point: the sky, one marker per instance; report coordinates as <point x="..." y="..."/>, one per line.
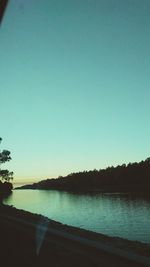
<point x="74" y="85"/>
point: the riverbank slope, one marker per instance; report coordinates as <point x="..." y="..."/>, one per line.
<point x="32" y="240"/>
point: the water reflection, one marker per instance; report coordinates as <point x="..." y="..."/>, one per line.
<point x="122" y="215"/>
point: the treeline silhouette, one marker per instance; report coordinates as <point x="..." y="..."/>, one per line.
<point x="5" y="189"/>
<point x="5" y="175"/>
<point x="134" y="177"/>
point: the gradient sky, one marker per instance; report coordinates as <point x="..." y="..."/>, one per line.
<point x="74" y="85"/>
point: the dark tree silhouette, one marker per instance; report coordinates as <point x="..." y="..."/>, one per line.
<point x="5" y="175"/>
<point x="4" y="157"/>
<point x="134" y="177"/>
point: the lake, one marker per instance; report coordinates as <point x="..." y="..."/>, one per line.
<point x="121" y="215"/>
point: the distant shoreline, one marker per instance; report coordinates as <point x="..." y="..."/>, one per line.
<point x="133" y="177"/>
<point x="136" y="190"/>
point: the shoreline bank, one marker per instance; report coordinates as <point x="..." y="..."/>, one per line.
<point x="82" y="243"/>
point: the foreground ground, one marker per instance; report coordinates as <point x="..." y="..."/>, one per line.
<point x="27" y="239"/>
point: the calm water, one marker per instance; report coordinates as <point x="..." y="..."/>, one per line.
<point x="111" y="214"/>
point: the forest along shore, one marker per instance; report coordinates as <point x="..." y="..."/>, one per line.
<point x="33" y="240"/>
<point x="133" y="177"/>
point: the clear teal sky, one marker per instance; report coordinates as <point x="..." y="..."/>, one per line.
<point x="74" y="85"/>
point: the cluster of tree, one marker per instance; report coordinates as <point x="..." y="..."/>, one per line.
<point x="134" y="177"/>
<point x="5" y="175"/>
